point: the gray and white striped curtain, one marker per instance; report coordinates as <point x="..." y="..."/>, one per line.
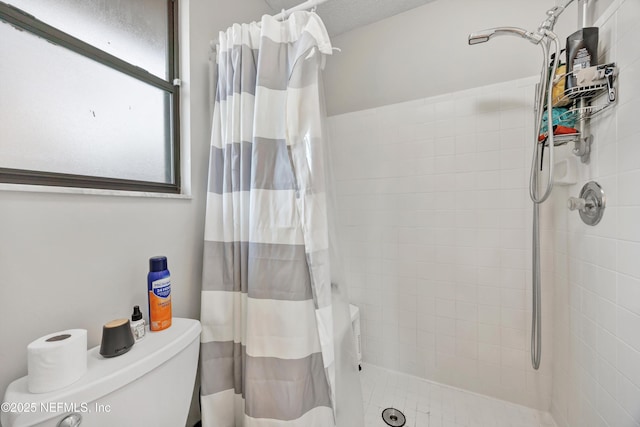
<point x="267" y="354"/>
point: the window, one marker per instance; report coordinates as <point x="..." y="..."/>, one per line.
<point x="89" y="94"/>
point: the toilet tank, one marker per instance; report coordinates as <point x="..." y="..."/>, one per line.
<point x="151" y="385"/>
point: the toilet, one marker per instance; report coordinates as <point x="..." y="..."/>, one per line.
<point x="151" y="385"/>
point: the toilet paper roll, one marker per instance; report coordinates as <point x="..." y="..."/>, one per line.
<point x="56" y="360"/>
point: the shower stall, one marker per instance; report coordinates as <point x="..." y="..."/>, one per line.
<point x="435" y="206"/>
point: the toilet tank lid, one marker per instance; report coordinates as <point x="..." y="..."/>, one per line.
<point x="104" y="376"/>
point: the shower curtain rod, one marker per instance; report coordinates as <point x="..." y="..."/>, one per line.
<point x="309" y="4"/>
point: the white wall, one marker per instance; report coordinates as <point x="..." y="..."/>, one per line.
<point x="78" y="261"/>
<point x="597" y="296"/>
<point x="435" y="222"/>
<point x="424" y="52"/>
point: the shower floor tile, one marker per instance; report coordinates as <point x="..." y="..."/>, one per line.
<point x="429" y="404"/>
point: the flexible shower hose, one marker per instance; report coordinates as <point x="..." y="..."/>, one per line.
<point x="544" y="89"/>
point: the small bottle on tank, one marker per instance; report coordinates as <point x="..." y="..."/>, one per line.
<point x="137" y="323"/>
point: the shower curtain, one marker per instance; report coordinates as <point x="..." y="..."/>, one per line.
<point x="267" y="353"/>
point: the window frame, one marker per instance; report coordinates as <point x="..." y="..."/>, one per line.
<point x="29" y="23"/>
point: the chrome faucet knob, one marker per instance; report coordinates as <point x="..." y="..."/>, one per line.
<point x="576" y="203"/>
<point x="590" y="204"/>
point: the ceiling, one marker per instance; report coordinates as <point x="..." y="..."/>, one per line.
<point x="341" y="16"/>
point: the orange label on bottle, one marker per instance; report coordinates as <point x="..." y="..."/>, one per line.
<point x="160" y="304"/>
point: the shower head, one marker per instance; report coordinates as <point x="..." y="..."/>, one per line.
<point x="485" y="35"/>
<point x="479" y="37"/>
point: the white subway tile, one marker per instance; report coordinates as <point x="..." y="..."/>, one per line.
<point x="514" y="338"/>
<point x="627" y="150"/>
<point x="407" y="336"/>
<point x="513" y="238"/>
<point x="446" y="308"/>
<point x="444" y="146"/>
<point x="628" y="256"/>
<point x="511" y="98"/>
<point x="426" y="339"/>
<point x="628" y="223"/>
<point x="606" y="345"/>
<point x="466" y="311"/>
<point x="627" y="49"/>
<point x="512" y="118"/>
<point x="513" y="379"/>
<point x="628" y="85"/>
<point x="512" y="278"/>
<point x="488" y="353"/>
<point x="489" y="140"/>
<point x="628" y="397"/>
<point x="607" y="377"/>
<point x="488" y="121"/>
<point x="608" y="159"/>
<point x="445" y="128"/>
<point x="515" y="138"/>
<point x="489" y="276"/>
<point x="513" y="358"/>
<point x="445" y="347"/>
<point x="465" y="144"/>
<point x="465" y="125"/>
<point x="465" y="106"/>
<point x="512" y="199"/>
<point x="467" y="293"/>
<point x="513" y="258"/>
<point x="589" y="306"/>
<point x="607" y="315"/>
<point x="489" y="314"/>
<point x="489" y="334"/>
<point x="628" y="327"/>
<point x="628" y="362"/>
<point x="628" y="188"/>
<point x="511" y="159"/>
<point x="510" y="318"/>
<point x="488" y="161"/>
<point x="607" y="253"/>
<point x="444" y="110"/>
<point x="466" y="162"/>
<point x="514" y="178"/>
<point x="512" y="298"/>
<point x="467" y="349"/>
<point x="627" y="114"/>
<point x="629" y="293"/>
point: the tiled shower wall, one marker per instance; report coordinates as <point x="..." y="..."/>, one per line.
<point x="435" y="225"/>
<point x="596" y="368"/>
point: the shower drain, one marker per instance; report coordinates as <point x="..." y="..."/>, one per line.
<point x="393" y="417"/>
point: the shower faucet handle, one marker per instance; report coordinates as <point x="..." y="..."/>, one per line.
<point x="576" y="203"/>
<point x="590" y="204"/>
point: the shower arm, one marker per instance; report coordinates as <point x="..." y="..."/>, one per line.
<point x="552" y="16"/>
